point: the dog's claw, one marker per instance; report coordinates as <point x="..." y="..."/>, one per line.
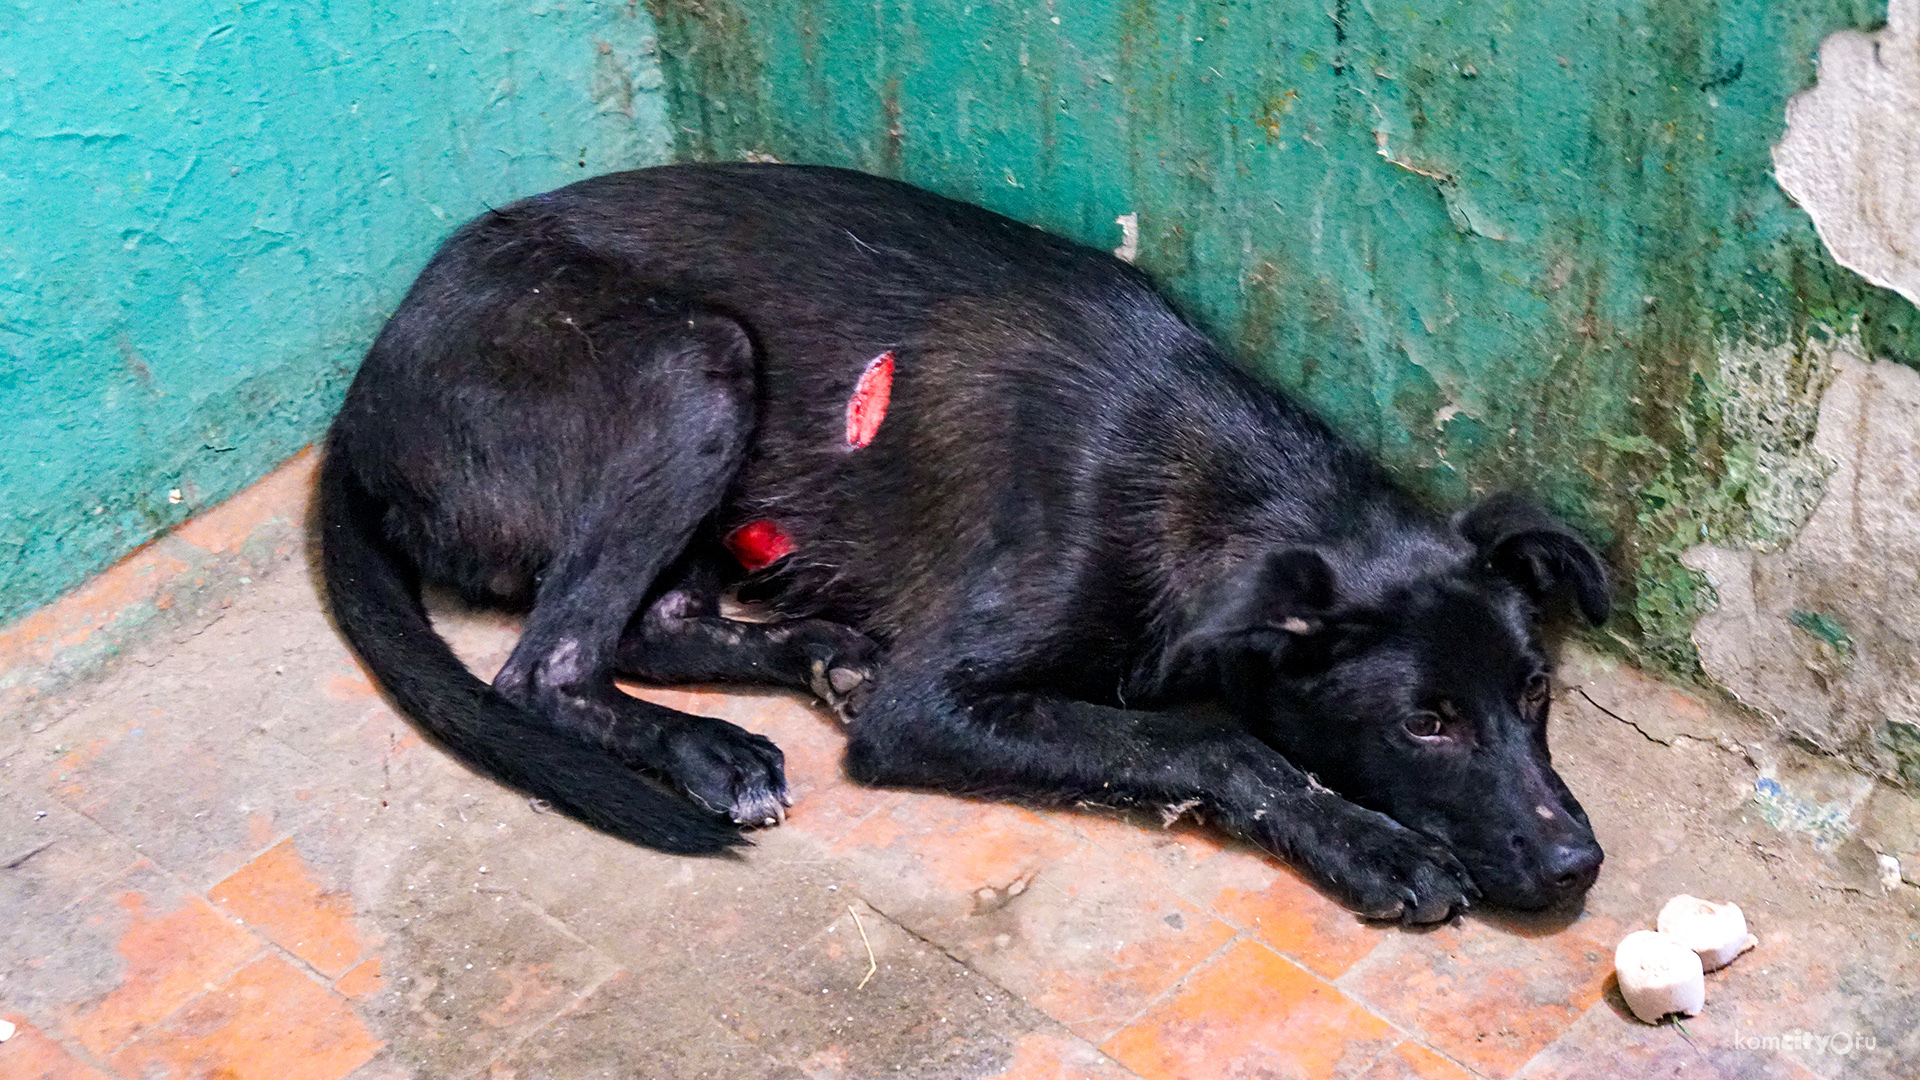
<point x="1387" y="872"/>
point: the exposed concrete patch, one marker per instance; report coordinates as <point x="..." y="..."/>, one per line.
<point x="1769" y="398"/>
<point x="1823" y="635"/>
<point x="1851" y="154"/>
<point x="1749" y="478"/>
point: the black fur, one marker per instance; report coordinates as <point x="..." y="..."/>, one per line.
<point x="1085" y="559"/>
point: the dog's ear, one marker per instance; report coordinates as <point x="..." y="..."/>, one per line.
<point x="1541" y="556"/>
<point x="1275" y="609"/>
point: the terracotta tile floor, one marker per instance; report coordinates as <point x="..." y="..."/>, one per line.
<point x="225" y="857"/>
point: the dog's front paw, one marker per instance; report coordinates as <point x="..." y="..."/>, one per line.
<point x="729" y="770"/>
<point x="1384" y="870"/>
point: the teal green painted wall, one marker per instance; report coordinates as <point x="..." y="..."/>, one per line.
<point x="1501" y="243"/>
<point x="209" y="207"/>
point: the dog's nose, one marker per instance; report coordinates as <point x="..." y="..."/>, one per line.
<point x="1570" y="869"/>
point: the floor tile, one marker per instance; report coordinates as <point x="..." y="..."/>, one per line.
<point x="197" y="795"/>
<point x="1604" y="1045"/>
<point x="471" y="967"/>
<point x="270" y="1021"/>
<point x="1091" y="941"/>
<point x="1252" y="1013"/>
<point x="595" y="1040"/>
<point x="135" y="952"/>
<point x="919" y="1014"/>
<point x="1274" y="903"/>
<point x="719" y="919"/>
<point x="1056" y="1055"/>
<point x="54" y="860"/>
<point x="1487" y="995"/>
<point x="928" y="859"/>
<point x="1411" y="1061"/>
<point x="33" y="1055"/>
<point x="277" y="896"/>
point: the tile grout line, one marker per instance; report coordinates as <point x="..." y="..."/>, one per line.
<point x="79" y="1053"/>
<point x="1411" y="1032"/>
<point x="1404" y="1033"/>
<point x="60" y="1034"/>
<point x="554" y="921"/>
<point x="514" y="1047"/>
<point x="1542" y="1052"/>
<point x="266" y="946"/>
<point x="990" y="980"/>
<point x="138" y="855"/>
<point x="1205" y="961"/>
<point x="1176" y="882"/>
<point x="269" y="947"/>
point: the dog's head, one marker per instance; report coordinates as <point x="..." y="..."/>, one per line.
<point x="1422" y="695"/>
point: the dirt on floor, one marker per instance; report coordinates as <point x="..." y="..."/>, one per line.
<point x="222" y="855"/>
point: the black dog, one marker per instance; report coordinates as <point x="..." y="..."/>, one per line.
<point x="1021" y="523"/>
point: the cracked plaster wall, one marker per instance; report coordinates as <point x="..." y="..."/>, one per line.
<point x="1822" y="633"/>
<point x="209" y="208"/>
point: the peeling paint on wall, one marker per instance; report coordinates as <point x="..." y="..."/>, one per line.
<point x="1851" y="155"/>
<point x="211" y="207"/>
<point x="1818" y="628"/>
<point x="1823" y="635"/>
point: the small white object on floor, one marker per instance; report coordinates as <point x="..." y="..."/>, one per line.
<point x="1718" y="932"/>
<point x="1659" y="975"/>
<point x="1889" y="872"/>
<point x="6" y="1030"/>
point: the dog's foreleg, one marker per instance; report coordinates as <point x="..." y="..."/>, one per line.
<point x="916" y="731"/>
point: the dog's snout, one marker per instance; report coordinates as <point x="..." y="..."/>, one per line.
<point x="1571" y="869"/>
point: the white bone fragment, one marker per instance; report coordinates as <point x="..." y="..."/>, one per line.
<point x="1659" y="975"/>
<point x="1718" y="932"/>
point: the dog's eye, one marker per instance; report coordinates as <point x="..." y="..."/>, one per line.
<point x="1425" y="725"/>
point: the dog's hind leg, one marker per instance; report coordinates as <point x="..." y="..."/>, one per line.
<point x="647" y="504"/>
<point x="682" y="638"/>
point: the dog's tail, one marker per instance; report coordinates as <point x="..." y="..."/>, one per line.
<point x="374" y="598"/>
